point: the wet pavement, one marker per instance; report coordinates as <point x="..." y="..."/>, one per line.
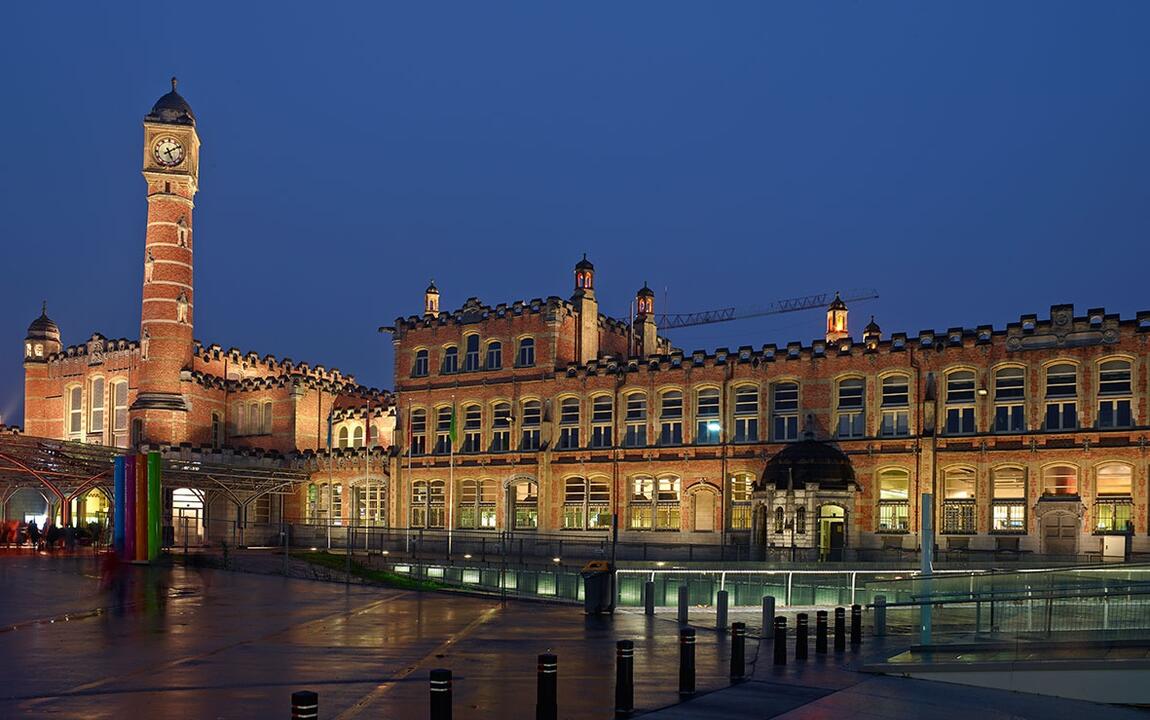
<point x="185" y="643"/>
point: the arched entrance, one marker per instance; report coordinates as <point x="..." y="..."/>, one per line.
<point x="188" y="516"/>
<point x="93" y="507"/>
<point x="832" y="532"/>
<point x="28" y="504"/>
<point x="1060" y="533"/>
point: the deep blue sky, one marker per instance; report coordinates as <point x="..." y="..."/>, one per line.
<point x="973" y="161"/>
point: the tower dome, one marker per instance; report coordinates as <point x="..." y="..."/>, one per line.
<point x="173" y="109"/>
<point x="43" y="337"/>
<point x="809" y="461"/>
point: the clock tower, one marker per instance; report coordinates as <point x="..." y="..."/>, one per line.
<point x="171" y="170"/>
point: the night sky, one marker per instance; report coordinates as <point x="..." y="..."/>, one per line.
<point x="972" y="161"/>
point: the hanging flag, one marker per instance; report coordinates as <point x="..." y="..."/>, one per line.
<point x="453" y="431"/>
<point x="329" y="421"/>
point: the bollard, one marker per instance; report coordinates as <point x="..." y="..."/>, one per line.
<point x="649" y="597"/>
<point x="683" y="594"/>
<point x="880" y="616"/>
<point x="624" y="678"/>
<point x="840" y="629"/>
<point x="780" y="640"/>
<point x="801" y="637"/>
<point x="686" y="662"/>
<point x="821" y="632"/>
<point x="304" y="704"/>
<point x="440" y="694"/>
<point x="738" y="652"/>
<point x="768" y="615"/>
<point x="546" y="696"/>
<point x="856" y="625"/>
<point x="721" y="612"/>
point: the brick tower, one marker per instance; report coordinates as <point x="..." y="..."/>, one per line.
<point x="171" y="169"/>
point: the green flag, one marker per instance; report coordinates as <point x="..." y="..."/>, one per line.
<point x="453" y="431"/>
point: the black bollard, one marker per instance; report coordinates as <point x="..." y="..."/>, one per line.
<point x="547" y="700"/>
<point x="840" y="629"/>
<point x="801" y="637"/>
<point x="738" y="652"/>
<point x="304" y="705"/>
<point x="856" y="625"/>
<point x="440" y="694"/>
<point x="780" y="640"/>
<point x="624" y="678"/>
<point x="686" y="662"/>
<point x="821" y="632"/>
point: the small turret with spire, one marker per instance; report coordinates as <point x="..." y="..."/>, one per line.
<point x="837" y="320"/>
<point x="431" y="300"/>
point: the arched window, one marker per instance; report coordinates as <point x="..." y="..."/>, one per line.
<point x="785" y="411"/>
<point x="850" y="416"/>
<point x="1008" y="494"/>
<point x="76" y="412"/>
<point x="667" y="502"/>
<point x="746" y="413"/>
<point x="642" y="502"/>
<point x="526" y="505"/>
<point x="501" y="427"/>
<point x="800" y="520"/>
<point x="636" y="434"/>
<point x="437" y="504"/>
<point x="450" y="360"/>
<point x="337" y="504"/>
<point x="267" y="419"/>
<point x="472" y="428"/>
<point x="960" y="403"/>
<point x="255" y="419"/>
<point x="894" y="500"/>
<point x="739" y="492"/>
<point x="526" y="356"/>
<point x="312" y="503"/>
<point x="780" y="520"/>
<point x="494" y="356"/>
<point x="419" y="367"/>
<point x="958" y="509"/>
<point x="602" y="418"/>
<point x="471" y="353"/>
<point x="357" y="437"/>
<point x="96" y="405"/>
<point x="1010" y="400"/>
<point x="1061" y="397"/>
<point x="568" y="423"/>
<point x="532" y="420"/>
<point x="708" y="423"/>
<point x="419" y="497"/>
<point x="1114" y="394"/>
<point x="217" y="430"/>
<point x="895" y="406"/>
<point x="120" y="415"/>
<point x="1060" y="481"/>
<point x="343" y="437"/>
<point x="443" y="422"/>
<point x="671" y="418"/>
<point x="418" y="431"/>
<point x="477" y="504"/>
<point x="1114" y="506"/>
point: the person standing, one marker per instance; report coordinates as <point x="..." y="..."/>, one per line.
<point x="34" y="534"/>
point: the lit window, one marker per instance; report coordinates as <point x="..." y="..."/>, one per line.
<point x="960" y="403"/>
<point x="708" y="424"/>
<point x="894" y="500"/>
<point x="1115" y="479"/>
<point x="1061" y="397"/>
<point x="75" y="413"/>
<point x="357" y="437"/>
<point x="1060" y="481"/>
<point x="958" y="508"/>
<point x="526" y="357"/>
<point x="1008" y="490"/>
<point x="343" y="437"/>
<point x="96" y="406"/>
<point x="477" y="505"/>
<point x="586" y="504"/>
<point x="851" y="415"/>
<point x="1114" y="506"/>
<point x="740" y="494"/>
<point x="1010" y="400"/>
<point x="895" y="406"/>
<point x="120" y="413"/>
<point x="785" y="411"/>
<point x="526" y="506"/>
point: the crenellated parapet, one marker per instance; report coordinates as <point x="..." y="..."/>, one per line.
<point x="97" y="350"/>
<point x="252" y="363"/>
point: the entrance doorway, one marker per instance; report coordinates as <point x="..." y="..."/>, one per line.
<point x="832" y="532"/>
<point x="188" y="516"/>
<point x="704" y="511"/>
<point x="1060" y="534"/>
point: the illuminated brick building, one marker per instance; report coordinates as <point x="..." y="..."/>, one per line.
<point x="565" y="417"/>
<point x="196" y="401"/>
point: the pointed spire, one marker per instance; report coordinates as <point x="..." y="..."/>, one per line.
<point x="174" y="81"/>
<point x="44" y="308"/>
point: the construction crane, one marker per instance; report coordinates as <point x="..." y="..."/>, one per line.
<point x="807" y="302"/>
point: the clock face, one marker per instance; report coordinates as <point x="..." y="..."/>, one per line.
<point x="168" y="152"/>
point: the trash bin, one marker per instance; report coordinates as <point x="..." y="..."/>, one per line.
<point x="598" y="594"/>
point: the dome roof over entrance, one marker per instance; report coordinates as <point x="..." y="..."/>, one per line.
<point x="808" y="461"/>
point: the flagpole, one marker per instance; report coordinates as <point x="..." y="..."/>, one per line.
<point x="451" y="477"/>
<point x="407" y="519"/>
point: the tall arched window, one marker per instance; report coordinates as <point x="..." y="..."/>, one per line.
<point x="636" y="434"/>
<point x="419" y="497"/>
<point x="471" y="353"/>
<point x="780" y="520"/>
<point x="1010" y="400"/>
<point x="667" y="503"/>
<point x="312" y="503"/>
<point x="267" y="417"/>
<point x="746" y="413"/>
<point x="494" y="356"/>
<point x="850" y="417"/>
<point x="501" y="427"/>
<point x="1061" y="397"/>
<point x="357" y="436"/>
<point x="800" y="520"/>
<point x="120" y="414"/>
<point x="343" y="438"/>
<point x="1008" y="494"/>
<point x="418" y="431"/>
<point x="960" y="403"/>
<point x="419" y="366"/>
<point x="958" y="508"/>
<point x="443" y="422"/>
<point x="526" y="356"/>
<point x="76" y="412"/>
<point x="531" y="422"/>
<point x="894" y="500"/>
<point x="602" y="419"/>
<point x="526" y="505"/>
<point x="642" y="499"/>
<point x="437" y="504"/>
<point x="477" y="504"/>
<point x="895" y="406"/>
<point x="1114" y="505"/>
<point x="671" y="418"/>
<point x="708" y="423"/>
<point x="450" y="360"/>
<point x="96" y="405"/>
<point x="568" y="423"/>
<point x="472" y="428"/>
<point x="785" y="411"/>
<point x="739" y="492"/>
<point x="1114" y="394"/>
<point x="1060" y="481"/>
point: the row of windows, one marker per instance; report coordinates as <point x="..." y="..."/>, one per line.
<point x="353" y="436"/>
<point x="102" y="396"/>
<point x="492" y="357"/>
<point x="325" y="503"/>
<point x="253" y="418"/>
